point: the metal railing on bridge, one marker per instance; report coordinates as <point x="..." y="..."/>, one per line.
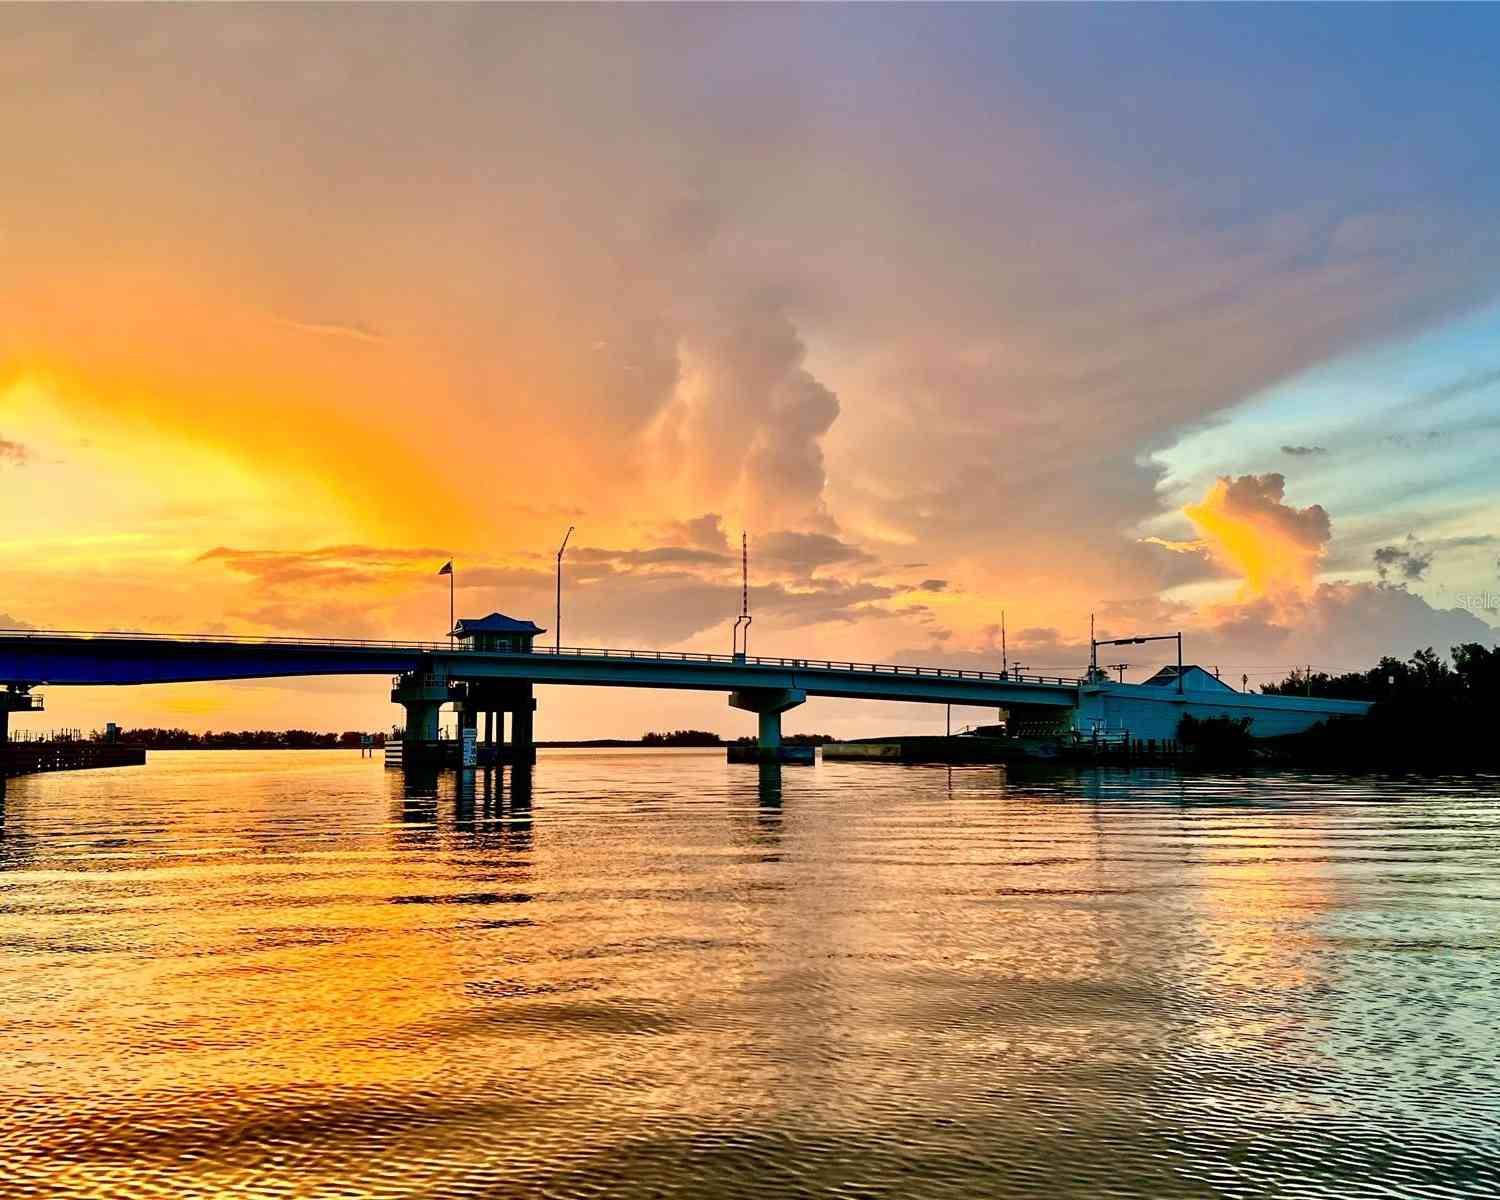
<point x="818" y="664"/>
<point x="784" y="662"/>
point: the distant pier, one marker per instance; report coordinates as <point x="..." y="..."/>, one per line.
<point x="66" y="754"/>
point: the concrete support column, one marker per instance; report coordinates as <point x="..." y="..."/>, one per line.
<point x="421" y="720"/>
<point x="15" y="698"/>
<point x="423" y="696"/>
<point x="521" y="736"/>
<point x="768" y="704"/>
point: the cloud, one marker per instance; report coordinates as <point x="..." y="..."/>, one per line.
<point x="349" y="564"/>
<point x="1176" y="546"/>
<point x="329" y="619"/>
<point x="804" y="553"/>
<point x="14" y="453"/>
<point x="725" y="270"/>
<point x="703" y="533"/>
<point x="1248" y="528"/>
<point x="9" y="622"/>
<point x="339" y="329"/>
<point x="1468" y="383"/>
<point x="932" y="585"/>
<point x="1303" y="451"/>
<point x="745" y="420"/>
<point x="1339" y="625"/>
<point x="1409" y="560"/>
<point x="650" y="556"/>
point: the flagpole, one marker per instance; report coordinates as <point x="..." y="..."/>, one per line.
<point x="447" y="569"/>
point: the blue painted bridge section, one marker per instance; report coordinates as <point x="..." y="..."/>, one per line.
<point x="66" y="658"/>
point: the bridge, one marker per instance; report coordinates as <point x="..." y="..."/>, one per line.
<point x="499" y="683"/>
<point x="490" y="670"/>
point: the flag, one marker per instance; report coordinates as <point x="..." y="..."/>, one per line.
<point x="446" y="568"/>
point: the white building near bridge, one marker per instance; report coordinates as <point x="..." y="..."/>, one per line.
<point x="1153" y="709"/>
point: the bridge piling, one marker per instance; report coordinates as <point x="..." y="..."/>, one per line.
<point x="522" y="736"/>
<point x="768" y="704"/>
<point x="17" y="697"/>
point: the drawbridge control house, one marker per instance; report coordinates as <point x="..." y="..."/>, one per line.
<point x="498" y="634"/>
<point x="423" y="694"/>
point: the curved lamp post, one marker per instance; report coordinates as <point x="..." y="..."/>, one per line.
<point x="557" y="623"/>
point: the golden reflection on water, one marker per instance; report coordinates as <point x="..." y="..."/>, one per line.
<point x="297" y="974"/>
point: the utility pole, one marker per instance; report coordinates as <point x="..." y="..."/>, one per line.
<point x="557" y="623"/>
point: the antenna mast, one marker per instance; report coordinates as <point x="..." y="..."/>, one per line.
<point x="742" y="622"/>
<point x="1004" y="659"/>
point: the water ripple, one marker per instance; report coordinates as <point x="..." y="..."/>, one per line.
<point x="296" y="974"/>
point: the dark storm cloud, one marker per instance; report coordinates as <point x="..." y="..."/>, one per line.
<point x="1408" y="560"/>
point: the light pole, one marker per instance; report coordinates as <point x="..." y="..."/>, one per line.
<point x="557" y="624"/>
<point x="1095" y="643"/>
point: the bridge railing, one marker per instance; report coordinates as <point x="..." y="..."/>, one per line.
<point x="783" y="662"/>
<point x="232" y="639"/>
<point x="787" y="662"/>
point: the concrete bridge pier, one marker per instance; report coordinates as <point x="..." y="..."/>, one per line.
<point x="495" y="700"/>
<point x="768" y="704"/>
<point x="423" y="696"/>
<point x="522" y="730"/>
<point x="16" y="698"/>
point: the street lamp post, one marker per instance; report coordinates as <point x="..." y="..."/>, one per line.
<point x="1095" y="643"/>
<point x="557" y="623"/>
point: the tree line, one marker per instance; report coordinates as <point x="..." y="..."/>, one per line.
<point x="245" y="739"/>
<point x="1427" y="711"/>
<point x="702" y="737"/>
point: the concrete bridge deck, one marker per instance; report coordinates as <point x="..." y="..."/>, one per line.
<point x="496" y="682"/>
<point x="69" y="658"/>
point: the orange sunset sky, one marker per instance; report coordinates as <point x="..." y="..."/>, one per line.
<point x="299" y="302"/>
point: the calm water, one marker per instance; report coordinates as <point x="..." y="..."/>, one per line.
<point x="297" y="974"/>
